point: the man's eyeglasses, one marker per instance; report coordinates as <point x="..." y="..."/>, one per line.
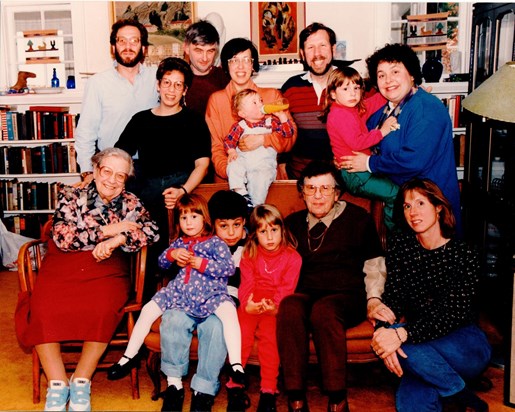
<point x="246" y="61"/>
<point x="325" y="190"/>
<point x="123" y="41"/>
<point x="165" y="84"/>
<point x="106" y="173"/>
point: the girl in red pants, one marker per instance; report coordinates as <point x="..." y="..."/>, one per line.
<point x="270" y="269"/>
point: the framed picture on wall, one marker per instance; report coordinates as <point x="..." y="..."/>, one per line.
<point x="166" y="23"/>
<point x="275" y="28"/>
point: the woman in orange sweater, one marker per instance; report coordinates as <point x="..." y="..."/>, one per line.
<point x="239" y="60"/>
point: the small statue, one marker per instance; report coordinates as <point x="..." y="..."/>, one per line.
<point x="43" y="46"/>
<point x="21" y="84"/>
<point x="30" y="44"/>
<point x="52" y="45"/>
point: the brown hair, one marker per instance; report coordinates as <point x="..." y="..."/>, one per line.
<point x="238" y="98"/>
<point x="266" y="215"/>
<point x="196" y="204"/>
<point x="338" y="77"/>
<point x="429" y="189"/>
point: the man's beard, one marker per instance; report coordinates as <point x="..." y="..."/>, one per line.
<point x="129" y="62"/>
<point x="327" y="68"/>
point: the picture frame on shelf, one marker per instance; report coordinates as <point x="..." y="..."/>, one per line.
<point x="166" y="23"/>
<point x="275" y="28"/>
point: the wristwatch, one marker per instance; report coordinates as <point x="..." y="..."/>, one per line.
<point x="84" y="174"/>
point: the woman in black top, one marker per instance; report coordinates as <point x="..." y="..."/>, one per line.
<point x="173" y="145"/>
<point x="432" y="288"/>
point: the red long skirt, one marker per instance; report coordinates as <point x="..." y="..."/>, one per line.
<point x="76" y="298"/>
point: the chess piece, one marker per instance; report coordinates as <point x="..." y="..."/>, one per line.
<point x="21" y="84"/>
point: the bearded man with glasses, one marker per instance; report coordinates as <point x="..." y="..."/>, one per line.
<point x="113" y="96"/>
<point x="340" y="247"/>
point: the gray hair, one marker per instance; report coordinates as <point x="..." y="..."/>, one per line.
<point x="97" y="158"/>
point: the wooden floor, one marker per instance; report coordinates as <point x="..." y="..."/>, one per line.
<point x="371" y="387"/>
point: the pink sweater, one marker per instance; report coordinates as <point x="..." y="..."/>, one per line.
<point x="271" y="275"/>
<point x="348" y="130"/>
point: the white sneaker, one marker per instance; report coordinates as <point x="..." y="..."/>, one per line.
<point x="80" y="390"/>
<point x="57" y="396"/>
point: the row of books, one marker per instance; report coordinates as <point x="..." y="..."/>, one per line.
<point x="15" y="195"/>
<point x="26" y="224"/>
<point x="51" y="158"/>
<point x="453" y="104"/>
<point x="38" y="123"/>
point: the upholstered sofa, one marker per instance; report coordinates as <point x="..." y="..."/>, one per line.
<point x="284" y="195"/>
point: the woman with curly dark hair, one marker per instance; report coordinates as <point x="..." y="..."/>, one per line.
<point x="423" y="144"/>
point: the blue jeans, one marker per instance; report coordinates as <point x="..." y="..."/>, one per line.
<point x="439" y="368"/>
<point x="176" y="333"/>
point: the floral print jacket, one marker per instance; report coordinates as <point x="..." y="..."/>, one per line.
<point x="80" y="214"/>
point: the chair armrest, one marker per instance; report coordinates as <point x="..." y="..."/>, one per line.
<point x="132" y="306"/>
<point x="26" y="275"/>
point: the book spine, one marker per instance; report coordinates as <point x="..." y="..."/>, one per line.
<point x="44" y="166"/>
<point x="10" y="131"/>
<point x="72" y="160"/>
<point x="3" y="124"/>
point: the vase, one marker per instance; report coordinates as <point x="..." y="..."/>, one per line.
<point x="432" y="70"/>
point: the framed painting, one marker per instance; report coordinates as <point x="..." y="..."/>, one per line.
<point x="166" y="23"/>
<point x="275" y="28"/>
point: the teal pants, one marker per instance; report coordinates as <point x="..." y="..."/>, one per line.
<point x="369" y="185"/>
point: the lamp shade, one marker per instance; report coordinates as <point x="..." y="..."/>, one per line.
<point x="495" y="97"/>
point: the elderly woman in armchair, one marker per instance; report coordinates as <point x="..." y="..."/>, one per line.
<point x="84" y="282"/>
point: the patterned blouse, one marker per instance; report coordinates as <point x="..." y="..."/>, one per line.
<point x="197" y="292"/>
<point x="436" y="290"/>
<point x="81" y="213"/>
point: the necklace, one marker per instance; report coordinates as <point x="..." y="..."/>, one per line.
<point x="320" y="236"/>
<point x="269" y="271"/>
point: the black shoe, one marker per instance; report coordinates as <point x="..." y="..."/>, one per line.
<point x="237" y="376"/>
<point x="173" y="399"/>
<point x="266" y="403"/>
<point x="250" y="205"/>
<point x="468" y="400"/>
<point x="342" y="406"/>
<point x="298" y="406"/>
<point x="118" y="371"/>
<point x="237" y="400"/>
<point x="201" y="402"/>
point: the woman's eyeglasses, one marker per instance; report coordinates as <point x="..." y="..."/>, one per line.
<point x="246" y="61"/>
<point x="123" y="41"/>
<point x="165" y="84"/>
<point x="325" y="190"/>
<point x="106" y="173"/>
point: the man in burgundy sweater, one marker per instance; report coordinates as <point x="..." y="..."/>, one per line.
<point x="201" y="48"/>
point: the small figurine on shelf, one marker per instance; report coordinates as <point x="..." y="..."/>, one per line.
<point x="30" y="43"/>
<point x="21" y="84"/>
<point x="52" y="45"/>
<point x="42" y="46"/>
<point x="55" y="79"/>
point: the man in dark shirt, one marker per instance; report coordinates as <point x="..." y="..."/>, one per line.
<point x="201" y="48"/>
<point x="338" y="243"/>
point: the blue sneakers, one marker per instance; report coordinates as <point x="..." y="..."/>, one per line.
<point x="80" y="390"/>
<point x="57" y="396"/>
